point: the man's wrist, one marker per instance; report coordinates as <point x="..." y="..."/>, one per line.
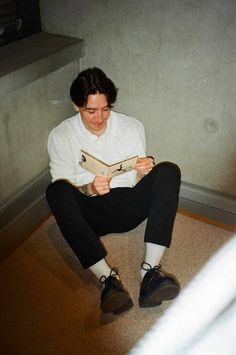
<point x="87" y="189"/>
<point x="139" y="176"/>
<point x="92" y="189"/>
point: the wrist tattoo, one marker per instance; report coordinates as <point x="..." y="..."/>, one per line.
<point x="85" y="190"/>
<point x="140" y="175"/>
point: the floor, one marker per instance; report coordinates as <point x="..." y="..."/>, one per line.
<point x="49" y="305"/>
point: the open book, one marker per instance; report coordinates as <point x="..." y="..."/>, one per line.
<point x="99" y="168"/>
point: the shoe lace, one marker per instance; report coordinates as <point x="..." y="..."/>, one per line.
<point x="157" y="268"/>
<point x="103" y="278"/>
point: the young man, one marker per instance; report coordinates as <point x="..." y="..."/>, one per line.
<point x="86" y="207"/>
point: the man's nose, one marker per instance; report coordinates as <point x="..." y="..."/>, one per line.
<point x="99" y="116"/>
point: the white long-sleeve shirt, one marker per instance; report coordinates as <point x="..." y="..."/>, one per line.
<point x="123" y="138"/>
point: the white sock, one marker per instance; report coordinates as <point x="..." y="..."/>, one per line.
<point x="153" y="255"/>
<point x="101" y="268"/>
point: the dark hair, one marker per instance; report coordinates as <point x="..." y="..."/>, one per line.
<point x="89" y="82"/>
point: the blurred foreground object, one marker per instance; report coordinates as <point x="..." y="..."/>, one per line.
<point x="203" y="319"/>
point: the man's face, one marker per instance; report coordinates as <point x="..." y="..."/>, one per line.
<point x="95" y="114"/>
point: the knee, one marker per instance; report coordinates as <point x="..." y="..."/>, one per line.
<point x="169" y="170"/>
<point x="57" y="190"/>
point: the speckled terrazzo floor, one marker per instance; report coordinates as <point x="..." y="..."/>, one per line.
<point x="49" y="305"/>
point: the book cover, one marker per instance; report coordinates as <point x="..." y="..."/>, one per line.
<point x="100" y="168"/>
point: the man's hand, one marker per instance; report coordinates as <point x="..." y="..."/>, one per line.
<point x="101" y="184"/>
<point x="144" y="165"/>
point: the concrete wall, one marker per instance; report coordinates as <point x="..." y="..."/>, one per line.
<point x="174" y="63"/>
<point x="26" y="117"/>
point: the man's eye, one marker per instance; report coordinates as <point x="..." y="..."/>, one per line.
<point x="91" y="112"/>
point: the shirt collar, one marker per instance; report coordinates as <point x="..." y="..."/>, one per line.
<point x="91" y="135"/>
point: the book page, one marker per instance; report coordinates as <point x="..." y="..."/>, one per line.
<point x="122" y="167"/>
<point x="100" y="168"/>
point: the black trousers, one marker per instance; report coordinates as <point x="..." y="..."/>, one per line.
<point x="83" y="220"/>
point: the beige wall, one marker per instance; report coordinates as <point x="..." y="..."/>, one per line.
<point x="174" y="63"/>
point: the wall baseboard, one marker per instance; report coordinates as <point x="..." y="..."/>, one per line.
<point x="20" y="215"/>
<point x="211" y="205"/>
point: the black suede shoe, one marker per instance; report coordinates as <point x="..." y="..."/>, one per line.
<point x="114" y="298"/>
<point x="157" y="286"/>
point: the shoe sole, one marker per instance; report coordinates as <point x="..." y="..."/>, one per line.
<point x="117" y="303"/>
<point x="167" y="292"/>
<point x="125" y="308"/>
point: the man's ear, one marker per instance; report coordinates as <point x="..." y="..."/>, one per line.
<point x="76" y="107"/>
